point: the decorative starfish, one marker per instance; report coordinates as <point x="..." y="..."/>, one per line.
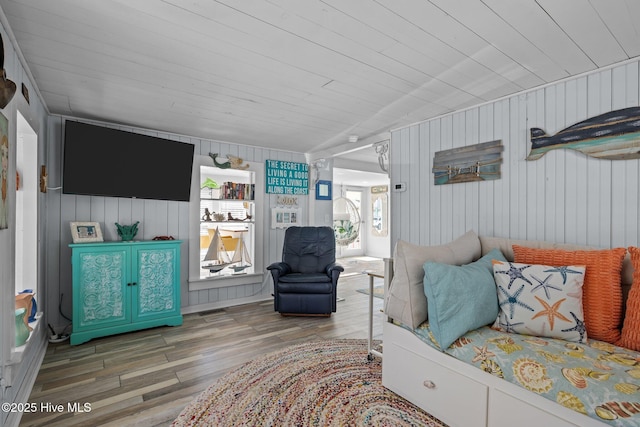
<point x="544" y="285"/>
<point x="515" y="273"/>
<point x="563" y="271"/>
<point x="508" y="326"/>
<point x="580" y="327"/>
<point x="512" y="300"/>
<point x="482" y="354"/>
<point x="551" y="311"/>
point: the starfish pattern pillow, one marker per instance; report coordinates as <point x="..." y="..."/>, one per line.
<point x="540" y="300"/>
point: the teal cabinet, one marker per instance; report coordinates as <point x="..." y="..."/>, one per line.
<point x="124" y="286"/>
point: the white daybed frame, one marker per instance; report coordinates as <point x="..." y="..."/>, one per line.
<point x="460" y="394"/>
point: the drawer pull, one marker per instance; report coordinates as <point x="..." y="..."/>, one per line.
<point x="429" y="384"/>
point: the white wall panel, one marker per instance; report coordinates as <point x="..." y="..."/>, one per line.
<point x="565" y="196"/>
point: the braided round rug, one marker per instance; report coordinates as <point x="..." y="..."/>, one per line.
<point x="322" y="383"/>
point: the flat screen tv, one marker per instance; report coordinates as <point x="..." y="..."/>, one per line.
<point x="100" y="161"/>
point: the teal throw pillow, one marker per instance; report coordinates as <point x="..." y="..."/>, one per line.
<point x="460" y="298"/>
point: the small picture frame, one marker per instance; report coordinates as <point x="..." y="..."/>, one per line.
<point x="85" y="232"/>
<point x="323" y="190"/>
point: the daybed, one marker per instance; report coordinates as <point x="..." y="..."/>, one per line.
<point x="490" y="377"/>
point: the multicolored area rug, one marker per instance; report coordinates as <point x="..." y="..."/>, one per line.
<point x="323" y="383"/>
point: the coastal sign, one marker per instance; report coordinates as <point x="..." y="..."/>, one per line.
<point x="478" y="162"/>
<point x="285" y="177"/>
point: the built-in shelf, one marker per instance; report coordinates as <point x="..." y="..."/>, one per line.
<point x="228" y="223"/>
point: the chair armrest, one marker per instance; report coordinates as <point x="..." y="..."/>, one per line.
<point x="281" y="268"/>
<point x="333" y="267"/>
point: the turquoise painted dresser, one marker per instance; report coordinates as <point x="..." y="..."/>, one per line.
<point x="124" y="286"/>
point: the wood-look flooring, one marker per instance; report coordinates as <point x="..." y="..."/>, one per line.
<point x="146" y="378"/>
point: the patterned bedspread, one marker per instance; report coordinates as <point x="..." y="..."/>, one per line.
<point x="596" y="379"/>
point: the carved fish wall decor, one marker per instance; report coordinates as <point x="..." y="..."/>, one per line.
<point x="614" y="135"/>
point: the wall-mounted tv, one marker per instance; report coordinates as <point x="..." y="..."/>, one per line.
<point x="100" y="161"/>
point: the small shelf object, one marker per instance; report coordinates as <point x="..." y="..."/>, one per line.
<point x="124" y="286"/>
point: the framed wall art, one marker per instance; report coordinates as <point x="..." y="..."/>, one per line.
<point x="284" y="217"/>
<point x="85" y="232"/>
<point x="323" y="190"/>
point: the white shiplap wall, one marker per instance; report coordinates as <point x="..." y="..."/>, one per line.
<point x="156" y="217"/>
<point x="564" y="197"/>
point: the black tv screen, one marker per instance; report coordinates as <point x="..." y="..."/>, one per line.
<point x="100" y="161"/>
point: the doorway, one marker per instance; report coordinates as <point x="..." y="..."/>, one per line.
<point x="348" y="210"/>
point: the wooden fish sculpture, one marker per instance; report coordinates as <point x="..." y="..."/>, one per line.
<point x="614" y="136"/>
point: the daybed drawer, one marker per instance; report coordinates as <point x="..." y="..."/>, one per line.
<point x="435" y="388"/>
<point x="507" y="411"/>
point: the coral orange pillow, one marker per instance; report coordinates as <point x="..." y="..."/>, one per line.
<point x="602" y="292"/>
<point x="631" y="328"/>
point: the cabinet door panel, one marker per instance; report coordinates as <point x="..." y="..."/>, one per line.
<point x="156" y="293"/>
<point x="101" y="288"/>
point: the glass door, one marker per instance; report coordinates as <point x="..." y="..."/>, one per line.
<point x="348" y="210"/>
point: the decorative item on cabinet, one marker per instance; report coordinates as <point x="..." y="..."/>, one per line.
<point x="22" y="332"/>
<point x="86" y="232"/>
<point x="127" y="232"/>
<point x="219" y="217"/>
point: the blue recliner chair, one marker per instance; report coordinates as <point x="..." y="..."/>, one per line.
<point x="306" y="279"/>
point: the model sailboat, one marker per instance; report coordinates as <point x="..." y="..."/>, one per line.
<point x="240" y="255"/>
<point x="218" y="255"/>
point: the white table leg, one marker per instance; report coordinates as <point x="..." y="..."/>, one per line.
<point x="371" y="351"/>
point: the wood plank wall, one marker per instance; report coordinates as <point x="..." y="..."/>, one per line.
<point x="564" y="197"/>
<point x="157" y="217"/>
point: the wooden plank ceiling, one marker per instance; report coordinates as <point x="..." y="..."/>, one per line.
<point x="303" y="75"/>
